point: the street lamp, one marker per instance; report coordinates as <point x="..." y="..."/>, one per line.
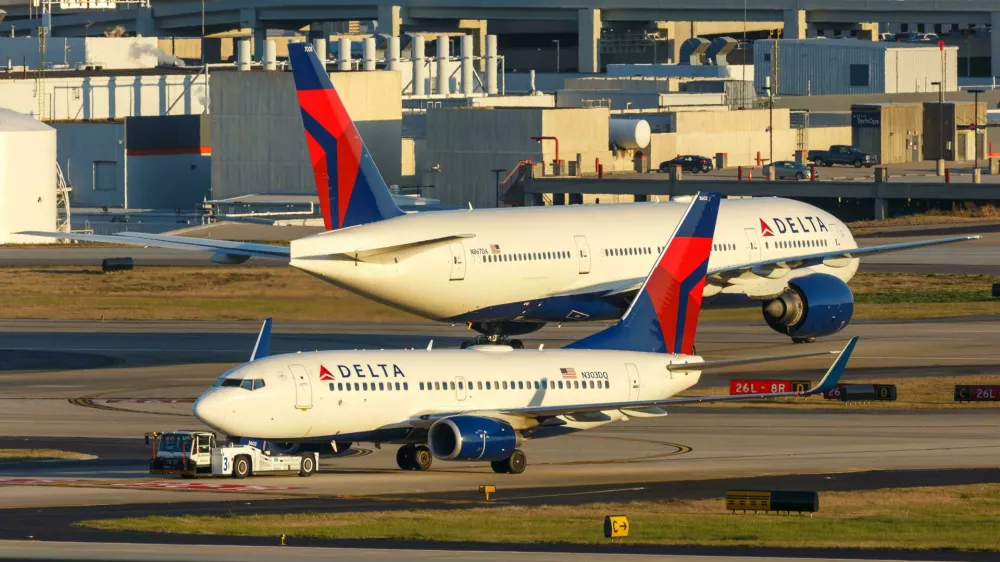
<point x="497" y="172"/>
<point x="975" y="122"/>
<point x="770" y="128"/>
<point x="556" y="41"/>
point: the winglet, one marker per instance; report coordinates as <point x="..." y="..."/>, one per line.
<point x="263" y="345"/>
<point x="832" y="376"/>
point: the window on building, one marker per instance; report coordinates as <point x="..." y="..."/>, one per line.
<point x="105" y="176"/>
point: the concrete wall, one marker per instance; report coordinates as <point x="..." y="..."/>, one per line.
<point x="822" y="138"/>
<point x="107" y="97"/>
<point x="109" y="52"/>
<point x="258" y="142"/>
<point x="85" y="151"/>
<point x="468" y="143"/>
<point x="740" y="134"/>
<point x="169" y="181"/>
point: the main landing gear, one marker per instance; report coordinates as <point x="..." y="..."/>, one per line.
<point x="803" y="340"/>
<point x="414" y="457"/>
<point x="514" y="464"/>
<point x="499" y="333"/>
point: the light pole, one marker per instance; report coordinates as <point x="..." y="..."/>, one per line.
<point x="556" y="41"/>
<point x="770" y="112"/>
<point x="497" y="171"/>
<point x="975" y="122"/>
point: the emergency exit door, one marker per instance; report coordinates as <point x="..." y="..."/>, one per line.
<point x="457" y="261"/>
<point x="633" y="381"/>
<point x="754" y="244"/>
<point x="583" y="253"/>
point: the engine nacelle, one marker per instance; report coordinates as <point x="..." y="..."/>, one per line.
<point x="472" y="438"/>
<point x="812" y="306"/>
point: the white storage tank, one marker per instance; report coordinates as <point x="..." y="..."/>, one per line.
<point x="629" y="133"/>
<point x="27" y="177"/>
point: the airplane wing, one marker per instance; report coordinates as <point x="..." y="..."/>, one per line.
<point x="723" y="363"/>
<point x="828" y="382"/>
<point x="834" y="258"/>
<point x="227" y="247"/>
<point x="776" y="267"/>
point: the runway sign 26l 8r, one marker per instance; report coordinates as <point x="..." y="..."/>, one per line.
<point x="766" y="386"/>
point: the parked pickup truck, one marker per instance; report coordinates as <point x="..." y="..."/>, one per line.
<point x="842" y="154"/>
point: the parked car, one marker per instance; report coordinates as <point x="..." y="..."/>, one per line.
<point x="789" y="170"/>
<point x="842" y="154"/>
<point x="689" y="163"/>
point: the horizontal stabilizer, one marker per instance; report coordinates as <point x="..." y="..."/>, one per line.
<point x="709" y="365"/>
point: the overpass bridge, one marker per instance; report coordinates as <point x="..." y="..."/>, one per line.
<point x="186" y="17"/>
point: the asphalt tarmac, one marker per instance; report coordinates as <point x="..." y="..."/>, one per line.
<point x="96" y="388"/>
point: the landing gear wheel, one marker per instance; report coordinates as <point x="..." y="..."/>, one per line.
<point x="516" y="462"/>
<point x="308" y="466"/>
<point x="803" y="340"/>
<point x="404" y="457"/>
<point x="422" y="458"/>
<point x="517" y="344"/>
<point x="241" y="467"/>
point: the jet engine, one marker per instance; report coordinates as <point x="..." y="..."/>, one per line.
<point x="472" y="438"/>
<point x="812" y="306"/>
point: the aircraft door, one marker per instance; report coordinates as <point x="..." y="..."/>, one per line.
<point x="461" y="390"/>
<point x="457" y="260"/>
<point x="633" y="381"/>
<point x="583" y="253"/>
<point x="754" y="243"/>
<point x="303" y="387"/>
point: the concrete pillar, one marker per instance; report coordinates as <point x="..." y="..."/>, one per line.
<point x="995" y="44"/>
<point x="390" y="20"/>
<point x="443" y="43"/>
<point x="243" y="54"/>
<point x="477" y="30"/>
<point x="319" y="46"/>
<point x="589" y="32"/>
<point x="392" y="56"/>
<point x="419" y="70"/>
<point x="270" y="57"/>
<point x="881" y="209"/>
<point x="145" y="25"/>
<point x="259" y="36"/>
<point x="368" y="54"/>
<point x="467" y="80"/>
<point x="491" y="64"/>
<point x="977" y="175"/>
<point x="344" y="54"/>
<point x="795" y="24"/>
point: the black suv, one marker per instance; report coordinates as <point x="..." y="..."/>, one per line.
<point x="688" y="163"/>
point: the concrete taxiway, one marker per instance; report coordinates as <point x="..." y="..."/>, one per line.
<point x="142" y="376"/>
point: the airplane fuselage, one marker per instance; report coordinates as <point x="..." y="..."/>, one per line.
<point x="557" y="264"/>
<point x="377" y="395"/>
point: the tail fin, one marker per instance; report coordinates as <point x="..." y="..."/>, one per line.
<point x="351" y="191"/>
<point x="663" y="316"/>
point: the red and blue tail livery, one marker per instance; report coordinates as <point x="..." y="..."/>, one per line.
<point x="351" y="190"/>
<point x="663" y="317"/>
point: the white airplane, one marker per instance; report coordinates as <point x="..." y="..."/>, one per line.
<point x="509" y="271"/>
<point x="479" y="404"/>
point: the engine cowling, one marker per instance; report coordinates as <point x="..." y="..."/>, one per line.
<point x="472" y="438"/>
<point x="812" y="306"/>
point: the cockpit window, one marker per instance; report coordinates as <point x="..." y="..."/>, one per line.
<point x="258" y="383"/>
<point x="247" y="384"/>
<point x="230" y="382"/>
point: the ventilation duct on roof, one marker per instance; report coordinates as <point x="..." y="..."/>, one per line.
<point x="692" y="49"/>
<point x="719" y="49"/>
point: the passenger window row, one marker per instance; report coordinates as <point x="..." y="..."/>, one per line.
<point x="363" y="386"/>
<point x="723" y="247"/>
<point x="640" y="251"/>
<point x="783" y="244"/>
<point x="544" y="384"/>
<point x="526" y="256"/>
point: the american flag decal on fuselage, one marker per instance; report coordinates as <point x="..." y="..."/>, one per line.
<point x="568" y="373"/>
<point x="495" y="248"/>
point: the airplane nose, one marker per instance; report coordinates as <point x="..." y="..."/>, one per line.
<point x="211" y="409"/>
